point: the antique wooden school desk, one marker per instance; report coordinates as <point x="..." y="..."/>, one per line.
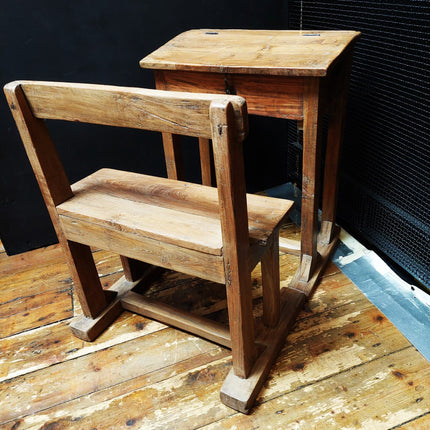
<point x="299" y="75"/>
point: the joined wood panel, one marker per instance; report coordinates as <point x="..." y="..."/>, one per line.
<point x="159" y="223"/>
<point x="53" y="344"/>
<point x="151" y="251"/>
<point x="196" y="391"/>
<point x="275" y="96"/>
<point x="112" y="205"/>
<point x="264" y="213"/>
<point x="46" y="278"/>
<point x="125" y="107"/>
<point x="265" y="52"/>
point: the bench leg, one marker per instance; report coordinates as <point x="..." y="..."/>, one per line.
<point x="90" y="328"/>
<point x="137" y="274"/>
<point x="241" y="393"/>
<point x="240" y="315"/>
<point x="98" y="306"/>
<point x="87" y="286"/>
<point x="134" y="270"/>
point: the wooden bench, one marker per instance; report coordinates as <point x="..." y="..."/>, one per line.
<point x="218" y="234"/>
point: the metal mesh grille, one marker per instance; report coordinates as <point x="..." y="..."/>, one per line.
<point x="385" y="180"/>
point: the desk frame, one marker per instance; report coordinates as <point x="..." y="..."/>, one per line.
<point x="302" y="98"/>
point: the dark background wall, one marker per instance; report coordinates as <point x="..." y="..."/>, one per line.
<point x="101" y="42"/>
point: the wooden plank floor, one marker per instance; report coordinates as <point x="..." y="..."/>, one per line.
<point x="344" y="365"/>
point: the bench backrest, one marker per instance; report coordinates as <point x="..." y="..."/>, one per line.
<point x="222" y="118"/>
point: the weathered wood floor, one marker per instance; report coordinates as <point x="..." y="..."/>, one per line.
<point x="344" y="364"/>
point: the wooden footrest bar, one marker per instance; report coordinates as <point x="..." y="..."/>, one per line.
<point x="89" y="328"/>
<point x="175" y="317"/>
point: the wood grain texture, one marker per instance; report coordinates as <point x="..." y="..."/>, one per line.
<point x="349" y="399"/>
<point x="335" y="131"/>
<point x="344" y="365"/>
<point x="240" y="393"/>
<point x="124" y="107"/>
<point x="271" y="282"/>
<point x="270" y="52"/>
<point x="151" y="251"/>
<point x="35" y="311"/>
<point x="216" y="243"/>
<point x="40" y="395"/>
<point x="135" y="269"/>
<point x="324" y="253"/>
<point x="43" y="156"/>
<point x="190" y="212"/>
<point x="312" y="132"/>
<point x="90" y="328"/>
<point x="41" y="256"/>
<point x="171" y="315"/>
<point x="421" y="423"/>
<point x="230" y="177"/>
<point x="166" y="224"/>
<point x="86" y="217"/>
<point x="172" y="147"/>
<point x="275" y="96"/>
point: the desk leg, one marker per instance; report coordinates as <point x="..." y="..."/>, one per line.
<point x="331" y="174"/>
<point x="337" y="114"/>
<point x="206" y="162"/>
<point x="312" y="125"/>
<point x="173" y="156"/>
<point x="171" y="142"/>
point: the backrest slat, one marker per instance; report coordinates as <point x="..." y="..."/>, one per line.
<point x="165" y="111"/>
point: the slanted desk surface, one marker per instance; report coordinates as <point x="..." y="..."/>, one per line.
<point x="268" y="52"/>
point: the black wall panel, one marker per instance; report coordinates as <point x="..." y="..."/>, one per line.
<point x="101" y="42"/>
<point x="385" y="182"/>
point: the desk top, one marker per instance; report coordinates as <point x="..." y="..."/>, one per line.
<point x="265" y="52"/>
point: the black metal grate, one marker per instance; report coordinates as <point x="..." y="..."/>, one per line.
<point x="294" y="154"/>
<point x="385" y="180"/>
